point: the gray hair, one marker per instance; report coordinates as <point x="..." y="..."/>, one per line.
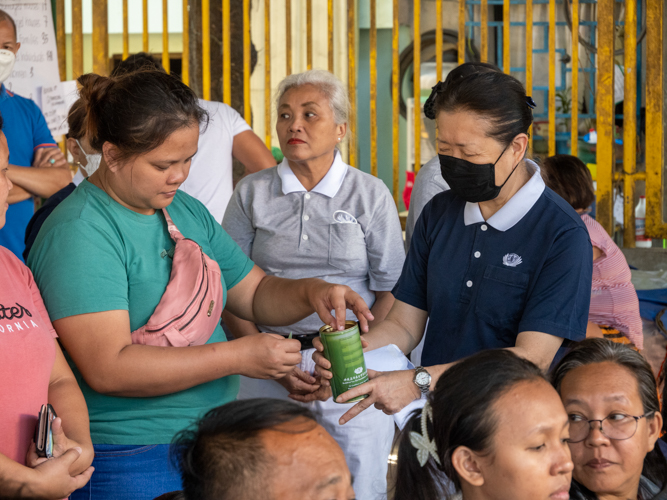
<point x="327" y="83"/>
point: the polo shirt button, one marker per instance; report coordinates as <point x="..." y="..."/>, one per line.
<point x="477" y="255"/>
<point x="484" y="227"/>
<point x="305" y="217"/>
<point x="305" y="236"/>
<point x="469" y="284"/>
<point x="307" y="196"/>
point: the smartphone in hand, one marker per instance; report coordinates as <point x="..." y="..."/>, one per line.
<point x="43" y="431"/>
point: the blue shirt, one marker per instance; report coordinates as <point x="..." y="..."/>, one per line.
<point x="527" y="268"/>
<point x="26" y="130"/>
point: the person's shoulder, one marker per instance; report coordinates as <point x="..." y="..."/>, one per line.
<point x="10" y="263"/>
<point x="218" y="108"/>
<point x="367" y="181"/>
<point x="23" y="105"/>
<point x="258" y="183"/>
<point x="561" y="211"/>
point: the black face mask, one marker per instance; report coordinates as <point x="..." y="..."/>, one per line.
<point x="471" y="181"/>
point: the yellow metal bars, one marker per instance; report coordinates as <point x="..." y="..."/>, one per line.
<point x="226" y="55"/>
<point x="165" y="35"/>
<point x="330" y="36"/>
<point x="267" y="73"/>
<point x="185" y="58"/>
<point x="529" y="62"/>
<point x="438" y="39"/>
<point x="100" y="37"/>
<point x="506" y="36"/>
<point x="395" y="108"/>
<point x="352" y="79"/>
<point x="416" y="81"/>
<point x="206" y="49"/>
<point x="126" y="32"/>
<point x="288" y="37"/>
<point x="60" y="38"/>
<point x="373" y="59"/>
<point x="574" y="134"/>
<point x="604" y="104"/>
<point x="656" y="226"/>
<point x="309" y="34"/>
<point x="246" y="61"/>
<point x="629" y="123"/>
<point x="145" y="21"/>
<point x="77" y="39"/>
<point x="462" y="32"/>
<point x="552" y="77"/>
<point x="484" y="28"/>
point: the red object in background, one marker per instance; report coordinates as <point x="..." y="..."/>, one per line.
<point x="407" y="192"/>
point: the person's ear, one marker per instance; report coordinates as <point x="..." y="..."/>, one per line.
<point x="654" y="429"/>
<point x="341" y="130"/>
<point x="519" y="146"/>
<point x="467" y="466"/>
<point x="18" y="46"/>
<point x="73" y="148"/>
<point x="109" y="152"/>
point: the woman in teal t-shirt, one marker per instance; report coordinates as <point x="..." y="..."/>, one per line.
<point x="103" y="261"/>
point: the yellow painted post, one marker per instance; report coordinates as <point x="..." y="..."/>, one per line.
<point x="655" y="139"/>
<point x="462" y="32"/>
<point x="60" y="39"/>
<point x="330" y="36"/>
<point x="77" y="39"/>
<point x="529" y="62"/>
<point x="185" y="58"/>
<point x="206" y="49"/>
<point x="629" y="122"/>
<point x="145" y="21"/>
<point x="165" y="35"/>
<point x="552" y="77"/>
<point x="352" y="79"/>
<point x="267" y="73"/>
<point x="395" y="107"/>
<point x="247" y="115"/>
<point x="484" y="28"/>
<point x="438" y="39"/>
<point x="373" y="59"/>
<point x="604" y="104"/>
<point x="506" y="36"/>
<point x="416" y="81"/>
<point x="126" y="32"/>
<point x="309" y="34"/>
<point x="100" y="37"/>
<point x="288" y="37"/>
<point x="226" y="55"/>
<point x="574" y="134"/>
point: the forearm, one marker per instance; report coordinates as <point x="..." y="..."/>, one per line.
<point x="16" y="480"/>
<point x="282" y="302"/>
<point x="239" y="327"/>
<point x="42" y="182"/>
<point x="381" y="307"/>
<point x="388" y="332"/>
<point x="17" y="194"/>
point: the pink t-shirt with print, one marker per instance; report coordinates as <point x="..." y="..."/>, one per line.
<point x="27" y="354"/>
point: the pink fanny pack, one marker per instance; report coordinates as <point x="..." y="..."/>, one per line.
<point x="191" y="306"/>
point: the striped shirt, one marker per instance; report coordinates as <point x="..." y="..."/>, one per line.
<point x="614" y="300"/>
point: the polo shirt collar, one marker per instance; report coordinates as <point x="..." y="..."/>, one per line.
<point x="328" y="186"/>
<point x="4" y="93"/>
<point x="515" y="209"/>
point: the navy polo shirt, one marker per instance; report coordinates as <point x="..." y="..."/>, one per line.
<point x="526" y="268"/>
<point x="26" y="130"/>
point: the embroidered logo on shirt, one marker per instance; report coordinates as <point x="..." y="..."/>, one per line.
<point x="512" y="260"/>
<point x="342" y="217"/>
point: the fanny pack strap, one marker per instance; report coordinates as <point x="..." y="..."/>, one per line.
<point x="173" y="230"/>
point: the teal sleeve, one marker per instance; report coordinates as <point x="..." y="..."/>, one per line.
<point x="79" y="269"/>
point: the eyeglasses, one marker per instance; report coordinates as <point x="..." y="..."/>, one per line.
<point x="616" y="426"/>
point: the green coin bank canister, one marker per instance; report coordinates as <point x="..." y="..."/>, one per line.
<point x="343" y="349"/>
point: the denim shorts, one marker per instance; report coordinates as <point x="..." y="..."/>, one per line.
<point x="127" y="472"/>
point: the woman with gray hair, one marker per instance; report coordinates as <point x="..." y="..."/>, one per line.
<point x="313" y="216"/>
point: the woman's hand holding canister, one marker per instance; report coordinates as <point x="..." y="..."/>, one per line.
<point x="325" y="297"/>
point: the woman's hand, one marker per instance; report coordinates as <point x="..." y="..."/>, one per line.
<point x="322" y="393"/>
<point x="322" y="364"/>
<point x="388" y="391"/>
<point x="299" y="382"/>
<point x="51" y="478"/>
<point x="325" y="297"/>
<point x="267" y="355"/>
<point x="60" y="445"/>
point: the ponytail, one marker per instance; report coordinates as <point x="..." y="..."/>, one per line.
<point x="94" y="89"/>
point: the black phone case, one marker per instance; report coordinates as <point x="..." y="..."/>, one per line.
<point x="43" y="430"/>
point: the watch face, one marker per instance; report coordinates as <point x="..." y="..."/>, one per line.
<point x="423" y="378"/>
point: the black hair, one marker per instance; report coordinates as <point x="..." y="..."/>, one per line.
<point x="141" y="61"/>
<point x="463" y="415"/>
<point x="136" y="112"/>
<point x="595" y="350"/>
<point x="1" y="121"/>
<point x="223" y="457"/>
<point x="569" y="178"/>
<point x="76" y="120"/>
<point x="493" y="95"/>
<point x="6" y="17"/>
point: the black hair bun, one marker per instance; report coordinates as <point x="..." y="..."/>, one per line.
<point x="530" y="102"/>
<point x="429" y="105"/>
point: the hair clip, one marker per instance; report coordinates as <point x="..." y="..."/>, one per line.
<point x="421" y="442"/>
<point x="429" y="105"/>
<point x="530" y="102"/>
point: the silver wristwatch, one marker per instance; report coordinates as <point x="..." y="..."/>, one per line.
<point x="422" y="379"/>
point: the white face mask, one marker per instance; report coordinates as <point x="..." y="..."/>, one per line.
<point x="7" y="60"/>
<point x="92" y="160"/>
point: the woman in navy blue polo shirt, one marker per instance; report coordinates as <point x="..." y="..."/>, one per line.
<point x="499" y="261"/>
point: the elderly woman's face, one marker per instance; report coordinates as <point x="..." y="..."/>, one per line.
<point x="603" y="465"/>
<point x="306" y="126"/>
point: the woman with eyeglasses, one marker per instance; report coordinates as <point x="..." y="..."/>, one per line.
<point x="610" y="396"/>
